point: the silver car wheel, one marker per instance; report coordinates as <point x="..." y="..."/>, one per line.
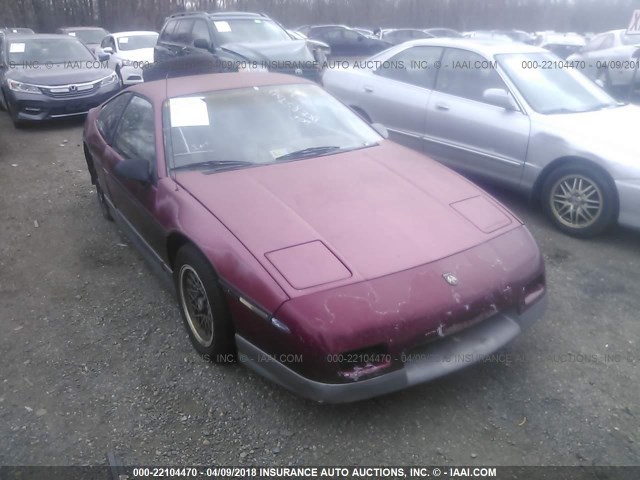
<point x="195" y="305"/>
<point x="576" y="201"/>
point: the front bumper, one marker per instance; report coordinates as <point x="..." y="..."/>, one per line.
<point x="629" y="197"/>
<point x="36" y="107"/>
<point x="423" y="364"/>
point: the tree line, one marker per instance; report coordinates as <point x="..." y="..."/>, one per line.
<point x="529" y="15"/>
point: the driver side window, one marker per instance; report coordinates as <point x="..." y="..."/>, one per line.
<point x="135" y="137"/>
<point x="466" y="74"/>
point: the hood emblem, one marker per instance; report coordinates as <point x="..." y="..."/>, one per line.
<point x="450" y="278"/>
<point x="298" y="71"/>
<point x="73" y="88"/>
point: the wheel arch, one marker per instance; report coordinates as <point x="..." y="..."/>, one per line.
<point x="90" y="165"/>
<point x="536" y="192"/>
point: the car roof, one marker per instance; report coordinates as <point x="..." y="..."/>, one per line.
<point x="223" y="14"/>
<point x="132" y="33"/>
<point x="159" y="90"/>
<point x="41" y="36"/>
<point x="485" y="47"/>
<point x="81" y="28"/>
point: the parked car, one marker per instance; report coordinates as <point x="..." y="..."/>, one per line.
<point x="51" y="76"/>
<point x="443" y="32"/>
<point x="129" y="53"/>
<point x="549" y="132"/>
<point x="364" y="31"/>
<point x="517" y="35"/>
<point x="240" y="41"/>
<point x="90" y="36"/>
<point x="308" y="245"/>
<point x="562" y="44"/>
<point x="345" y="41"/>
<point x="18" y="30"/>
<point x="395" y="36"/>
<point x="608" y="57"/>
<point x="316" y="45"/>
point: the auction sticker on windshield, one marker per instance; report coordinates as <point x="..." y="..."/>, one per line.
<point x="188" y="112"/>
<point x="16" y="48"/>
<point x="222" y="27"/>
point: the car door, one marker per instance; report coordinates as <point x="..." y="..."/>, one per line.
<point x="134" y="139"/>
<point x="104" y="159"/>
<point x="466" y="132"/>
<point x="397" y="93"/>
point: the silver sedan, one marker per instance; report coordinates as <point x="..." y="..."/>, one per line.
<point x="512" y="113"/>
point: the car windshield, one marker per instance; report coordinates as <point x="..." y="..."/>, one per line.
<point x="553" y="90"/>
<point x="262" y="125"/>
<point x="136" y="42"/>
<point x="250" y="30"/>
<point x="94" y="35"/>
<point x="47" y="50"/>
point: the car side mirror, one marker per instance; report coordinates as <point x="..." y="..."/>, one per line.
<point x="108" y="50"/>
<point x="202" y="43"/>
<point x="500" y="98"/>
<point x="381" y="129"/>
<point x="133" y="169"/>
<point x="103" y="57"/>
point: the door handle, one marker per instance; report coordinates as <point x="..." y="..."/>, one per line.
<point x="368" y="89"/>
<point x="442" y="106"/>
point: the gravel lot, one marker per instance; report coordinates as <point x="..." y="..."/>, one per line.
<point x="95" y="357"/>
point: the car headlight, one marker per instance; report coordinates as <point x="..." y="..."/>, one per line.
<point x="22" y="87"/>
<point x="111" y="79"/>
<point x="252" y="68"/>
<point x="126" y="63"/>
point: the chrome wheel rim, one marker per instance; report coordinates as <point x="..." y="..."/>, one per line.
<point x="576" y="201"/>
<point x="195" y="305"/>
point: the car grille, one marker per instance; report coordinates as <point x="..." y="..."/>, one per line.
<point x="71" y="91"/>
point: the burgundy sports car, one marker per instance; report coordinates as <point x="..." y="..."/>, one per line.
<point x="298" y="239"/>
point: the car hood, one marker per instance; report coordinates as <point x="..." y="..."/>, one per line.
<point x="59" y="74"/>
<point x="285" y="51"/>
<point x="608" y="133"/>
<point x="139" y="55"/>
<point x="349" y="217"/>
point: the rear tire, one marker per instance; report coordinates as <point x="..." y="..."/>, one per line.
<point x="202" y="305"/>
<point x="579" y="200"/>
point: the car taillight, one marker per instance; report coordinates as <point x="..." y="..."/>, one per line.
<point x="532" y="292"/>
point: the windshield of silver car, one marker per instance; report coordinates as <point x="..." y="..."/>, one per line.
<point x="47" y="50"/>
<point x="558" y="89"/>
<point x="261" y="125"/>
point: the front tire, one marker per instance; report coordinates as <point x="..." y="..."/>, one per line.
<point x="579" y="200"/>
<point x="203" y="307"/>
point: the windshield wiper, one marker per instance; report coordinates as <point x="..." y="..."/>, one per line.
<point x="214" y="164"/>
<point x="308" y="152"/>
